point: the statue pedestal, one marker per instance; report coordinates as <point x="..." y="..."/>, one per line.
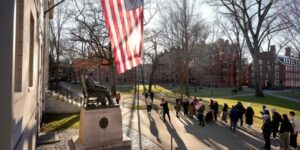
<point x="101" y="128"/>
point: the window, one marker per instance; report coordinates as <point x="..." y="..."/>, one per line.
<point x="276" y="67"/>
<point x="276" y="74"/>
<point x="260" y="61"/>
<point x="276" y="82"/>
<point x="19" y="46"/>
<point x="31" y="51"/>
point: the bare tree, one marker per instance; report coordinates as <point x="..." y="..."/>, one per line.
<point x="292" y="14"/>
<point x="182" y="32"/>
<point x="57" y="33"/>
<point x="154" y="54"/>
<point x="89" y="30"/>
<point x="256" y="19"/>
<point x="232" y="31"/>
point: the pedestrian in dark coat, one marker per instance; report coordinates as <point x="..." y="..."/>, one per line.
<point x="178" y="106"/>
<point x="224" y="113"/>
<point x="211" y="104"/>
<point x="241" y="109"/>
<point x="186" y="106"/>
<point x="201" y="110"/>
<point x="285" y="129"/>
<point x="216" y="110"/>
<point x="266" y="128"/>
<point x="164" y="104"/>
<point x="249" y="113"/>
<point x="151" y="96"/>
<point x="276" y="119"/>
<point x="234" y="117"/>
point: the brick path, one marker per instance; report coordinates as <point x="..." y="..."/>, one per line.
<point x="66" y="144"/>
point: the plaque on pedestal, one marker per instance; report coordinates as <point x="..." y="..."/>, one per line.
<point x="101" y="128"/>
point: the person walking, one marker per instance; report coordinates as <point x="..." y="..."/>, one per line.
<point x="241" y="109"/>
<point x="224" y="113"/>
<point x="151" y="95"/>
<point x="276" y="119"/>
<point x="216" y="110"/>
<point x="146" y="95"/>
<point x="164" y="104"/>
<point x="200" y="115"/>
<point x="185" y="105"/>
<point x="249" y="113"/>
<point x="284" y="130"/>
<point x="178" y="106"/>
<point x="266" y="129"/>
<point x="295" y="129"/>
<point x="234" y="117"/>
<point x="149" y="105"/>
<point x="191" y="108"/>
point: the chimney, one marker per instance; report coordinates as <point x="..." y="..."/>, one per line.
<point x="273" y="49"/>
<point x="288" y="51"/>
<point x="227" y="42"/>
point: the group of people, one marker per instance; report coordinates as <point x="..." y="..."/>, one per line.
<point x="285" y="126"/>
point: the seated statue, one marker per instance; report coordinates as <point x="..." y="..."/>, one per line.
<point x="97" y="90"/>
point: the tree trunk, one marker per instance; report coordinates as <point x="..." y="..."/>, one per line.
<point x="257" y="78"/>
<point x="187" y="91"/>
<point x="143" y="78"/>
<point x="150" y="81"/>
<point x="113" y="75"/>
<point x="240" y="74"/>
<point x="113" y="78"/>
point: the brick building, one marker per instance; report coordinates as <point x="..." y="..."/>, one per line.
<point x="222" y="69"/>
<point x="24" y="70"/>
<point x="80" y="66"/>
<point x="277" y="71"/>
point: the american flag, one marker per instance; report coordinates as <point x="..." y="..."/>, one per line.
<point x="124" y="21"/>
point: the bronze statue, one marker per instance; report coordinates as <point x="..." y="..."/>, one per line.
<point x="94" y="89"/>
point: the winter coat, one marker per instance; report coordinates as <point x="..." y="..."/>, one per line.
<point x="201" y="109"/>
<point x="151" y="95"/>
<point x="276" y="119"/>
<point x="296" y="125"/>
<point x="165" y="106"/>
<point x="285" y="126"/>
<point x="148" y="101"/>
<point x="225" y="108"/>
<point x="249" y="115"/>
<point x="234" y="115"/>
<point x="267" y="126"/>
<point x="241" y="109"/>
<point x="216" y="107"/>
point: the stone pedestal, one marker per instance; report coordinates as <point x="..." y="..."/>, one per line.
<point x="101" y="128"/>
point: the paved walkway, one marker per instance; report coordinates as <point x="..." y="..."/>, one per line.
<point x="273" y="93"/>
<point x="65" y="142"/>
<point x="185" y="134"/>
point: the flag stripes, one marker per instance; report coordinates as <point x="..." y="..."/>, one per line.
<point x="125" y="28"/>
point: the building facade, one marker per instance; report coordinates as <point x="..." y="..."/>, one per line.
<point x="277" y="71"/>
<point x="23" y="65"/>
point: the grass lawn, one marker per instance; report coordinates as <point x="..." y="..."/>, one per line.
<point x="289" y="94"/>
<point x="55" y="122"/>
